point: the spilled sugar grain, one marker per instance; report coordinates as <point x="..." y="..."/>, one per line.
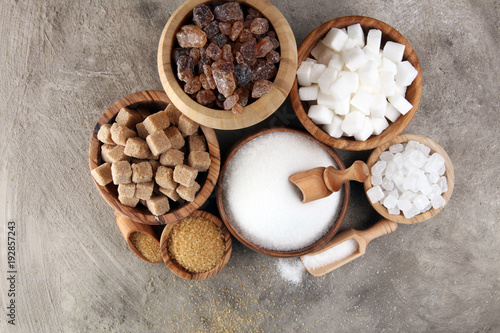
<point x="291" y="270"/>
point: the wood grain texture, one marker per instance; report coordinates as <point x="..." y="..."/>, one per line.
<point x="179" y="270"/>
<point x="256" y="111"/>
<point x="413" y="93"/>
<point x="362" y="237"/>
<point x="154" y="100"/>
<point x="127" y="227"/>
<point x="295" y="253"/>
<point x="435" y="148"/>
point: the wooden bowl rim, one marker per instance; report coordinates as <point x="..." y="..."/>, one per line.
<point x="319" y="243"/>
<point x="394" y="128"/>
<point x="253" y="113"/>
<point x="180" y="271"/>
<point x="143" y="215"/>
<point x="449" y="173"/>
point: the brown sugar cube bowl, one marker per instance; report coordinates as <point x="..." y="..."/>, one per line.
<point x="155" y="101"/>
<point x="413" y="93"/>
<point x="252" y="113"/>
<point x="319" y="243"/>
<point x="180" y="271"/>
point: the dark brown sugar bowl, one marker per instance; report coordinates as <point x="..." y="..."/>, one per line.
<point x="251" y="113"/>
<point x="413" y="92"/>
<point x="236" y="232"/>
<point x="153" y="101"/>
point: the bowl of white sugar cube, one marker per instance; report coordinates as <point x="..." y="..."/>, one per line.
<point x="358" y="83"/>
<point x="411" y="179"/>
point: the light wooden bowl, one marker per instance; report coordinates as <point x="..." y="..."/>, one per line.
<point x="252" y="113"/>
<point x="435" y="148"/>
<point x="413" y="93"/>
<point x="156" y="101"/>
<point x="294" y="253"/>
<point x="180" y="271"/>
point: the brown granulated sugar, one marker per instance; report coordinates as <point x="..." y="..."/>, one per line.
<point x="197" y="244"/>
<point x="146" y="245"/>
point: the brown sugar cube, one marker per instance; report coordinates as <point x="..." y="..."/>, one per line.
<point x="144" y="191"/>
<point x="102" y="174"/>
<point x="199" y="160"/>
<point x="104" y="134"/>
<point x="172" y="157"/>
<point x="173" y="114"/>
<point x="188" y="193"/>
<point x="156" y="122"/>
<point x="105" y="149"/>
<point x="196" y="142"/>
<point x="158" y="205"/>
<point x="154" y="165"/>
<point x="175" y="137"/>
<point x="171" y="193"/>
<point x="128" y="117"/>
<point x="137" y="147"/>
<point x="142" y="132"/>
<point x="185" y="175"/>
<point x="120" y="134"/>
<point x="142" y="172"/>
<point x="187" y="126"/>
<point x="164" y="177"/>
<point x="158" y="142"/>
<point x="126" y="190"/>
<point x="121" y="172"/>
<point x="130" y="202"/>
<point x="118" y="154"/>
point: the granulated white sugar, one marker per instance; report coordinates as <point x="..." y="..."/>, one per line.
<point x="330" y="256"/>
<point x="290" y="270"/>
<point x="264" y="206"/>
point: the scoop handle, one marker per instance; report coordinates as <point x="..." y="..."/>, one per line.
<point x="381" y="228"/>
<point x="334" y="178"/>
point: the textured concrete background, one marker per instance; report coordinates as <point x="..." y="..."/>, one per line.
<point x="63" y="63"/>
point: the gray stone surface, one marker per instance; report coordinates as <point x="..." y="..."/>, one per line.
<point x="63" y="63"/>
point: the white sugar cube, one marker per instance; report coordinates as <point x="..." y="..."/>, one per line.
<point x="390" y="201"/>
<point x="421" y="202"/>
<point x="399" y="89"/>
<point x="391" y="113"/>
<point x="368" y="74"/>
<point x="355" y="32"/>
<point x="412" y="145"/>
<point x="349" y="44"/>
<point x="388" y="66"/>
<point x="387" y="83"/>
<point x="434" y="163"/>
<point x="341" y="89"/>
<point x="376" y="180"/>
<point x="366" y="132"/>
<point x="335" y="128"/>
<point x="394" y="211"/>
<point x="410" y="183"/>
<point x="336" y="62"/>
<point x="325" y="56"/>
<point x="320" y="114"/>
<point x="326" y="100"/>
<point x="318" y="50"/>
<point x="373" y="55"/>
<point x="423" y="184"/>
<point x="375" y="194"/>
<point x="304" y="73"/>
<point x="396" y="148"/>
<point x="352" y="78"/>
<point x="327" y="78"/>
<point x="406" y="73"/>
<point x="386" y="156"/>
<point x="354" y="58"/>
<point x="379" y="168"/>
<point x="404" y="204"/>
<point x="435" y="190"/>
<point x="353" y="123"/>
<point x="400" y="103"/>
<point x="308" y="93"/>
<point x="378" y="106"/>
<point x="417" y="158"/>
<point x="433" y="177"/>
<point x="335" y="39"/>
<point x="394" y="51"/>
<point x="362" y="100"/>
<point x="387" y="184"/>
<point x="373" y="39"/>
<point x="379" y="125"/>
<point x="442" y="170"/>
<point x="411" y="212"/>
<point x="443" y="184"/>
<point x="342" y="108"/>
<point x="437" y="202"/>
<point x="316" y="71"/>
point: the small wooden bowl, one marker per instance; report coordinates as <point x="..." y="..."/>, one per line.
<point x="413" y="93"/>
<point x="294" y="253"/>
<point x="252" y="113"/>
<point x="435" y="148"/>
<point x="154" y="100"/>
<point x="180" y="271"/>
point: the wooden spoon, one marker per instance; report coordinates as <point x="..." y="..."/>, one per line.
<point x="320" y="182"/>
<point x="362" y="237"/>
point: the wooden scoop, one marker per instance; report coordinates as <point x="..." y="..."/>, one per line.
<point x="362" y="237"/>
<point x="320" y="182"/>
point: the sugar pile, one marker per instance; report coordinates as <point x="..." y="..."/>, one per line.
<point x="354" y="86"/>
<point x="330" y="256"/>
<point x="290" y="270"/>
<point x="406" y="178"/>
<point x="264" y="206"/>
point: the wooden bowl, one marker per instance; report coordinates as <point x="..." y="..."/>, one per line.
<point x="252" y="113"/>
<point x="294" y="253"/>
<point x="154" y="100"/>
<point x="435" y="148"/>
<point x="413" y="93"/>
<point x="179" y="270"/>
